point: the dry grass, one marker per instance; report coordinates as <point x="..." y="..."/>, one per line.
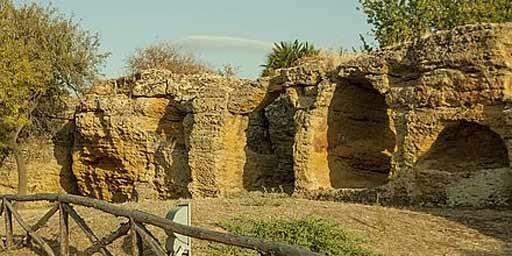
<point x="330" y="59"/>
<point x="388" y="231"/>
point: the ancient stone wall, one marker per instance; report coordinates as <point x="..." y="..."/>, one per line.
<point x="425" y="122"/>
<point x="449" y="95"/>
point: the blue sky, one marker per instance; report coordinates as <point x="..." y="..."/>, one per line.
<point x="233" y="32"/>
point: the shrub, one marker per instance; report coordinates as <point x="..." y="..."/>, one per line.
<point x="166" y="56"/>
<point x="318" y="235"/>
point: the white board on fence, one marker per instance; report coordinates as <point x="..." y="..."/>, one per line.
<point x="176" y="244"/>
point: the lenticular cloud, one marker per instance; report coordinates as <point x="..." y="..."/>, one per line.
<point x="224" y="43"/>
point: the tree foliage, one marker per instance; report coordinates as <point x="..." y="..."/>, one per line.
<point x="43" y="56"/>
<point x="166" y="56"/>
<point x="395" y="21"/>
<point x="286" y="54"/>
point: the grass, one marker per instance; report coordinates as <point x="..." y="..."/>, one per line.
<point x="257" y="198"/>
<point x="385" y="231"/>
<point x="313" y="233"/>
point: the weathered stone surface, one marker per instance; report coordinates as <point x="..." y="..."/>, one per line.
<point x="425" y="122"/>
<point x="448" y="99"/>
<point x="157" y="134"/>
<point x="444" y="94"/>
<point x="246" y="97"/>
<point x="133" y="142"/>
<point x="375" y="122"/>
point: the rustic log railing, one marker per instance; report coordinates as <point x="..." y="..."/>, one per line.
<point x="135" y="227"/>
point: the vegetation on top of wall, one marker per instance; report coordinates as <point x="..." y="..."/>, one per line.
<point x="396" y="21"/>
<point x="228" y="70"/>
<point x="316" y="234"/>
<point x="43" y="58"/>
<point x="286" y="54"/>
<point x="166" y="56"/>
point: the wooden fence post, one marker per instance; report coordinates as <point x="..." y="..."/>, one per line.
<point x="64" y="230"/>
<point x="85" y="228"/>
<point x="30" y="233"/>
<point x="97" y="246"/>
<point x="136" y="240"/>
<point x="9" y="236"/>
<point x="134" y="226"/>
<point x="151" y="241"/>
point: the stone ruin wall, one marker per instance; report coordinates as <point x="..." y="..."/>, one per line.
<point x="427" y="122"/>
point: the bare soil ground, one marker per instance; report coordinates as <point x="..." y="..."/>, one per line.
<point x="388" y="231"/>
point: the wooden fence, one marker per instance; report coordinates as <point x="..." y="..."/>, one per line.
<point x="135" y="227"/>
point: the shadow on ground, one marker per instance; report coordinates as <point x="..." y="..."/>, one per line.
<point x="495" y="223"/>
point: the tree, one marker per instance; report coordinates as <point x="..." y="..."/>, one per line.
<point x="43" y="56"/>
<point x="286" y="54"/>
<point x="396" y="21"/>
<point x="166" y="56"/>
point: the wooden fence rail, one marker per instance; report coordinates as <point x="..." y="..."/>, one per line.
<point x="135" y="227"/>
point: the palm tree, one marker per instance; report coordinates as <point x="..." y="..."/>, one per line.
<point x="286" y="54"/>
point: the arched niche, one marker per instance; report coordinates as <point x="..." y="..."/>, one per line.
<point x="360" y="136"/>
<point x="465" y="146"/>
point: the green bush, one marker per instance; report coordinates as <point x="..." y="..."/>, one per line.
<point x="286" y="54"/>
<point x="318" y="235"/>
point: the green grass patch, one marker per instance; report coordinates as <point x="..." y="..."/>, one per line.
<point x="316" y="234"/>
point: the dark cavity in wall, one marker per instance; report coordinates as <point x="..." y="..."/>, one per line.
<point x="171" y="157"/>
<point x="62" y="151"/>
<point x="260" y="158"/>
<point x="467" y="165"/>
<point x="360" y="138"/>
<point x="269" y="151"/>
<point x="464" y="147"/>
<point x="282" y="134"/>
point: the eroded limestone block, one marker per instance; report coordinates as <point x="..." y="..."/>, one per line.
<point x="396" y="123"/>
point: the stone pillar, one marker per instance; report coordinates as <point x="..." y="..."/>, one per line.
<point x="205" y="129"/>
<point x="311" y="142"/>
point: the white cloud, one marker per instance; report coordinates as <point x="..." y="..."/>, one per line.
<point x="224" y="43"/>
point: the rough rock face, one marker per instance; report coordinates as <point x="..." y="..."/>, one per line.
<point x="122" y="143"/>
<point x="132" y="137"/>
<point x="447" y="98"/>
<point x="425" y="122"/>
